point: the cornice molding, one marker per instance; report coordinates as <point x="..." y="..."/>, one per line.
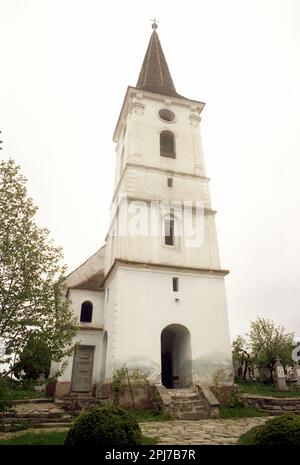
<point x="216" y="272"/>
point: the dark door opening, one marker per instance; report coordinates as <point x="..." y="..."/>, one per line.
<point x="166" y="370"/>
<point x="176" y="357"/>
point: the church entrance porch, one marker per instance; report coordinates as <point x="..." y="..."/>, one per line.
<point x="176" y="357"/>
<point x="83" y="369"/>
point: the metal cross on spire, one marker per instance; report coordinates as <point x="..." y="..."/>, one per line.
<point x="155" y="23"/>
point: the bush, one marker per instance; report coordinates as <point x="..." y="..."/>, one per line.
<point x="235" y="398"/>
<point x="280" y="431"/>
<point x="5" y="405"/>
<point x="104" y="426"/>
<point x="35" y="360"/>
<point x="21" y="424"/>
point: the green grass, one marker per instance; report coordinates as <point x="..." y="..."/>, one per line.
<point x="38" y="438"/>
<point x="58" y="437"/>
<point x="149" y="415"/>
<point x="149" y="441"/>
<point x="18" y="394"/>
<point x="247" y="438"/>
<point x="240" y="412"/>
<point x="265" y="389"/>
<point x="51" y="438"/>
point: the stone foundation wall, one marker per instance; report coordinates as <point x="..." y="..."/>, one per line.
<point x="59" y="389"/>
<point x="75" y="405"/>
<point x="273" y="405"/>
<point x="140" y="395"/>
<point x="223" y="393"/>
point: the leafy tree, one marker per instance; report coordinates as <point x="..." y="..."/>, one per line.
<point x="241" y="352"/>
<point x="5" y="405"/>
<point x="31" y="276"/>
<point x="34" y="361"/>
<point x="262" y="345"/>
<point x="269" y="341"/>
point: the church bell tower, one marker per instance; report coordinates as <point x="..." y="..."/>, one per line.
<point x="165" y="302"/>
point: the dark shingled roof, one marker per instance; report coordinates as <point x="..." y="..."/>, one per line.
<point x="155" y="75"/>
<point x="93" y="283"/>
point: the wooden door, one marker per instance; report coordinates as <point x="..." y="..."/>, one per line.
<point x="82" y="369"/>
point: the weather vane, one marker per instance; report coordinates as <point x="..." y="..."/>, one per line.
<point x="155" y="23"/>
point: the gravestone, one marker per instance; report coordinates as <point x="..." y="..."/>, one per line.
<point x="280" y="381"/>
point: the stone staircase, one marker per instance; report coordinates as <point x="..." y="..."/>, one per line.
<point x="186" y="404"/>
<point x="36" y="413"/>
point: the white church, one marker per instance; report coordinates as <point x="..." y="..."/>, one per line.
<point x="153" y="297"/>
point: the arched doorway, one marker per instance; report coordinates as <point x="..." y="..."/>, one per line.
<point x="103" y="358"/>
<point x="176" y="357"/>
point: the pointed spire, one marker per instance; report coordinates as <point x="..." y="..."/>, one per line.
<point x="155" y="75"/>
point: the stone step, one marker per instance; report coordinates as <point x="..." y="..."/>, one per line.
<point x="78" y="396"/>
<point x="198" y="408"/>
<point x="190" y="416"/>
<point x="39" y="400"/>
<point x="191" y="392"/>
<point x="192" y="396"/>
<point x="54" y="414"/>
<point x="37" y="420"/>
<point x="186" y="402"/>
<point x="187" y="390"/>
<point x="281" y="412"/>
<point x="53" y="425"/>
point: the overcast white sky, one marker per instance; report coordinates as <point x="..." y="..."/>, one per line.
<point x="64" y="69"/>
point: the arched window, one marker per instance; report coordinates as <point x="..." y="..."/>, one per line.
<point x="86" y="313"/>
<point x="169" y="232"/>
<point x="167" y="144"/>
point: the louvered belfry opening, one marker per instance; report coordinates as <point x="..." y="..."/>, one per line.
<point x="167" y="144"/>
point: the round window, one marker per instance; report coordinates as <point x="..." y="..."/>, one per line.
<point x="166" y="115"/>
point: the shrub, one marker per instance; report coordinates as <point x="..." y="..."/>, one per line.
<point x="21" y="424"/>
<point x="280" y="431"/>
<point x="104" y="426"/>
<point x="235" y="398"/>
<point x="5" y="405"/>
<point x="34" y="360"/>
<point x="118" y="384"/>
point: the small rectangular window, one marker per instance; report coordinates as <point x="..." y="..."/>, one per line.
<point x="170" y="182"/>
<point x="175" y="284"/>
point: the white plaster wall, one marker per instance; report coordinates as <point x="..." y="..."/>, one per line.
<point x="147" y="184"/>
<point x="152" y="249"/>
<point x="143" y="143"/>
<point x="78" y="296"/>
<point x="87" y="337"/>
<point x="110" y="319"/>
<point x="147" y="305"/>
